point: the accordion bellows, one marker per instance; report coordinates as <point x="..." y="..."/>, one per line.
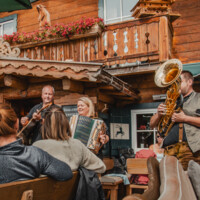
<point x="87" y="131"/>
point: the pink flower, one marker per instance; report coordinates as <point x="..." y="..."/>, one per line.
<point x="57" y="30"/>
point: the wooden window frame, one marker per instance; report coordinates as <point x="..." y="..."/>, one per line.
<point x="134" y="130"/>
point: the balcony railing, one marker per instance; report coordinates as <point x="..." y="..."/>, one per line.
<point x="127" y="42"/>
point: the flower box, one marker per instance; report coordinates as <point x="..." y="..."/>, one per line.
<point x="95" y="30"/>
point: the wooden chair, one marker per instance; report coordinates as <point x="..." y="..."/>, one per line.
<point x="136" y="166"/>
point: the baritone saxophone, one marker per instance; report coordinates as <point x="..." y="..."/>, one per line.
<point x="168" y="75"/>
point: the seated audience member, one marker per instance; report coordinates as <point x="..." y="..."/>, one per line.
<point x="156" y="148"/>
<point x="57" y="141"/>
<point x="19" y="162"/>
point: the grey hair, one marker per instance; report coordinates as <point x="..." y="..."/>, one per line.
<point x="50" y="87"/>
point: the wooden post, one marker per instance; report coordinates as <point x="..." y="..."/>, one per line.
<point x="164" y="39"/>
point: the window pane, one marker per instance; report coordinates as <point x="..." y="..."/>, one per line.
<point x="112" y="9"/>
<point x="8" y="28"/>
<point x="127" y="5"/>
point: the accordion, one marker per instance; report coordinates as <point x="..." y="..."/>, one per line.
<point x="87" y="131"/>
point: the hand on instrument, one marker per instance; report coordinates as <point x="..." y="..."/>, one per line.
<point x="24" y="121"/>
<point x="103" y="137"/>
<point x="161" y="109"/>
<point x="178" y="117"/>
<point x="37" y="116"/>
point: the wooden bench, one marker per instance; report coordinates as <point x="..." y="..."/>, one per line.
<point x="110" y="183"/>
<point x="40" y="189"/>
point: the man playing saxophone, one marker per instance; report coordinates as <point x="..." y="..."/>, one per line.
<point x="183" y="139"/>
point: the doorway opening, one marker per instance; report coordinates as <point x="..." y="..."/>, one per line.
<point x="23" y="106"/>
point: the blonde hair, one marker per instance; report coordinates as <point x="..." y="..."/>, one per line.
<point x="90" y="105"/>
<point x="56" y="125"/>
<point x="8" y="118"/>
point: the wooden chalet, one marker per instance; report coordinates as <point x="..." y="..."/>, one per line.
<point x="114" y="67"/>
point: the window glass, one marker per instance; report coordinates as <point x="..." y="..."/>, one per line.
<point x="127" y="5"/>
<point x="117" y="10"/>
<point x="8" y="28"/>
<point x="112" y="9"/>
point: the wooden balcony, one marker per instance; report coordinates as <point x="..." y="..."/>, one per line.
<point x="146" y="39"/>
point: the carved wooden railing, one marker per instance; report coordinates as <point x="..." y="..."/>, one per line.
<point x="127" y="42"/>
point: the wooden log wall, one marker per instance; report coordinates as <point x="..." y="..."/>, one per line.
<point x="64" y="11"/>
<point x="22" y="99"/>
<point x="138" y="40"/>
<point x="186" y="41"/>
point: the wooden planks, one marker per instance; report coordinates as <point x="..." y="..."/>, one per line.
<point x="187" y="31"/>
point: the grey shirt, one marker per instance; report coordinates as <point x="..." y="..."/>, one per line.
<point x="73" y="152"/>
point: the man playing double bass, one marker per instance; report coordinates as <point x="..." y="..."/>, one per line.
<point x="183" y="139"/>
<point x="33" y="130"/>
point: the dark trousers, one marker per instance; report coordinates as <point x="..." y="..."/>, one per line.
<point x="183" y="153"/>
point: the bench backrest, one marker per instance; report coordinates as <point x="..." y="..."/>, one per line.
<point x="137" y="166"/>
<point x="43" y="189"/>
<point x="109" y="163"/>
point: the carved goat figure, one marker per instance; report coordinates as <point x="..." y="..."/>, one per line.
<point x="44" y="16"/>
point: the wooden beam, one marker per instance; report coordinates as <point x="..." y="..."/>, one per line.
<point x="21" y="95"/>
<point x="113" y="93"/>
<point x="105" y="98"/>
<point x="117" y="83"/>
<point x="14" y="82"/>
<point x="73" y="86"/>
<point x="91" y="91"/>
<point x="106" y="87"/>
<point x="71" y="99"/>
<point x="127" y="98"/>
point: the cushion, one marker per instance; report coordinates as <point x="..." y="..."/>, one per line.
<point x="194" y="174"/>
<point x="175" y="184"/>
<point x="107" y="179"/>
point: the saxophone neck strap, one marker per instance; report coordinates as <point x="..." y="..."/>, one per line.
<point x="180" y="132"/>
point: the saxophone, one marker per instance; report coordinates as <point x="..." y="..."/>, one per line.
<point x="168" y="75"/>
